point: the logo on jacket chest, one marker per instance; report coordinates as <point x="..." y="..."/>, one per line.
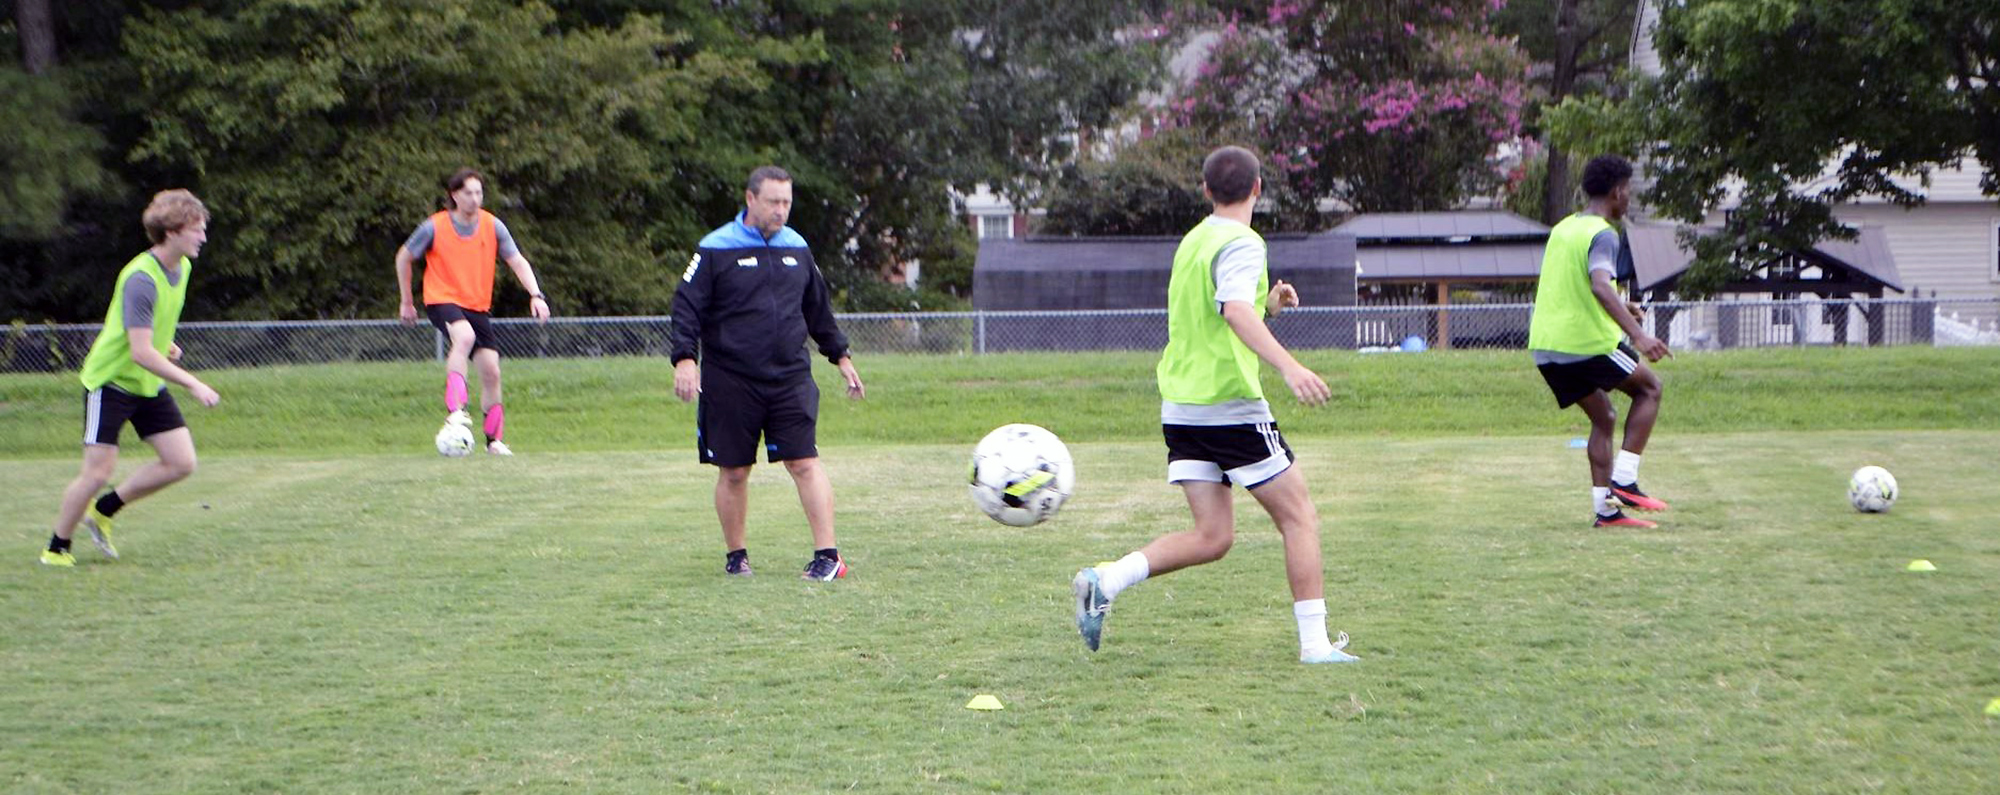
<point x="747" y="262"/>
<point x="790" y="262"/>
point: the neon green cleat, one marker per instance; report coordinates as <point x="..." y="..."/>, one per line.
<point x="99" y="526"/>
<point x="51" y="557"/>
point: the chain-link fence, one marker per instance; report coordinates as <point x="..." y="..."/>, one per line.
<point x="1690" y="325"/>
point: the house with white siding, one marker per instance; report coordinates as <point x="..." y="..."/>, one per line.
<point x="1948" y="246"/>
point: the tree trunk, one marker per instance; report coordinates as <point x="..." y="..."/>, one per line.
<point x="1556" y="198"/>
<point x="1556" y="201"/>
<point x="38" y="35"/>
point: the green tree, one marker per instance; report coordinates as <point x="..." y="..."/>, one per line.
<point x="1580" y="44"/>
<point x="1796" y="107"/>
<point x="1152" y="187"/>
<point x="319" y="132"/>
<point x="1384" y="106"/>
<point x="615" y="134"/>
<point x="923" y="100"/>
<point x="49" y="160"/>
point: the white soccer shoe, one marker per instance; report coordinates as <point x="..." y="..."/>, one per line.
<point x="497" y="447"/>
<point x="459" y="418"/>
<point x="1338" y="654"/>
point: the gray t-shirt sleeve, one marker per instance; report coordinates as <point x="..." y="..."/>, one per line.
<point x="1604" y="252"/>
<point x="1238" y="268"/>
<point x="140" y="296"/>
<point x="420" y="240"/>
<point x="507" y="247"/>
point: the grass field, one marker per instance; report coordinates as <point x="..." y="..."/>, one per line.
<point x="328" y="607"/>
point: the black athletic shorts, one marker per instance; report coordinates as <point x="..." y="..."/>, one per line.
<point x="106" y="409"/>
<point x="482" y="328"/>
<point x="1575" y="381"/>
<point x="1250" y="454"/>
<point x="734" y="411"/>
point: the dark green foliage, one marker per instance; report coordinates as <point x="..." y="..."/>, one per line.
<point x="1796" y="107"/>
<point x="1152" y="188"/>
<point x="614" y="134"/>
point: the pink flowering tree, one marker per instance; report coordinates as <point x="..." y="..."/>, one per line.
<point x="1383" y="106"/>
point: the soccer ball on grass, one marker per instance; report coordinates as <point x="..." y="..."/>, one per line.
<point x="1872" y="489"/>
<point x="1021" y="475"/>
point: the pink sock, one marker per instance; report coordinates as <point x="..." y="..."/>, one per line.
<point x="454" y="392"/>
<point x="496" y="422"/>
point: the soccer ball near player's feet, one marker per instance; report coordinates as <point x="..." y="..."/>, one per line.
<point x="1872" y="489"/>
<point x="1021" y="474"/>
<point x="454" y="440"/>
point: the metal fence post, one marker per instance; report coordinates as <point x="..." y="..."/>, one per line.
<point x="440" y="346"/>
<point x="978" y="332"/>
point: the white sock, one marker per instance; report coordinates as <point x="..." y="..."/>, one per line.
<point x="1311" y="615"/>
<point x="1625" y="468"/>
<point x="1123" y="573"/>
<point x="1600" y="499"/>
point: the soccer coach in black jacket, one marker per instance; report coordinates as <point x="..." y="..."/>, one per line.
<point x="741" y="315"/>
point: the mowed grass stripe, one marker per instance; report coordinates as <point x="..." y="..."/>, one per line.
<point x="374" y="623"/>
<point x="628" y="404"/>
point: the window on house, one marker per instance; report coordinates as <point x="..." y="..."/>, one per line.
<point x="1001" y="226"/>
<point x="1993" y="272"/>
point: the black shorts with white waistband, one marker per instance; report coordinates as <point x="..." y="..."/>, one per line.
<point x="1251" y="454"/>
<point x="1576" y="380"/>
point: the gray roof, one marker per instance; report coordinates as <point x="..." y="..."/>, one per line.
<point x="1657" y="255"/>
<point x="1469" y="225"/>
<point x="1133" y="272"/>
<point x="1483" y="261"/>
<point x="1323" y="250"/>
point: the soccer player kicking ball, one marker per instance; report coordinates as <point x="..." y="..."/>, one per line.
<point x="125" y="376"/>
<point x="1218" y="427"/>
<point x="1574" y="338"/>
<point x="459" y="245"/>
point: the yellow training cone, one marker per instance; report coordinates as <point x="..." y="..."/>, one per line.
<point x="1993" y="707"/>
<point x="983" y="701"/>
<point x="1921" y="565"/>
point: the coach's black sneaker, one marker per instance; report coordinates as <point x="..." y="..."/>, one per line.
<point x="737" y="564"/>
<point x="825" y="569"/>
<point x="1634" y="498"/>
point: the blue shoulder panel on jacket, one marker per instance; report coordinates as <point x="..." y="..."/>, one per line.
<point x="788" y="238"/>
<point x="734" y="235"/>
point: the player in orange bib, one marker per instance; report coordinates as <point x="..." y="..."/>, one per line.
<point x="459" y="245"/>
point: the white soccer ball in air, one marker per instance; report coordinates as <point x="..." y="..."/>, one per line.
<point x="454" y="440"/>
<point x="1021" y="475"/>
<point x="1872" y="489"/>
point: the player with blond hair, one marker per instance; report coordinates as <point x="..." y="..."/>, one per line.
<point x="125" y="376"/>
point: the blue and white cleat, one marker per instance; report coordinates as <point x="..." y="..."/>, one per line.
<point x="1335" y="655"/>
<point x="1091" y="605"/>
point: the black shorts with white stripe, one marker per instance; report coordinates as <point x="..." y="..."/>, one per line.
<point x="1576" y="380"/>
<point x="1250" y="454"/>
<point x="106" y="409"/>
